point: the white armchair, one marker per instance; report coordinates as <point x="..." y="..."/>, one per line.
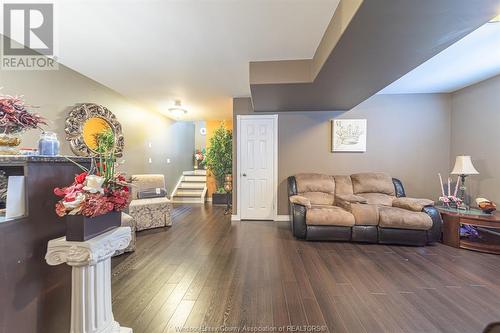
<point x="150" y="212"/>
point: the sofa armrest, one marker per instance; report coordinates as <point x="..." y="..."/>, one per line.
<point x="151" y="202"/>
<point x="398" y="188"/>
<point x="346" y="200"/>
<point x="300" y="200"/>
<point x="298" y="220"/>
<point x="413" y="204"/>
<point x="350" y="198"/>
<point x="435" y="232"/>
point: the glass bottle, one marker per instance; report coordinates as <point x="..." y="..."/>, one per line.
<point x="48" y="145"/>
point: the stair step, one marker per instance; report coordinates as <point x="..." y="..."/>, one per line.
<point x="188" y="193"/>
<point x="187" y="200"/>
<point x="196" y="185"/>
<point x="195" y="173"/>
<point x="194" y="179"/>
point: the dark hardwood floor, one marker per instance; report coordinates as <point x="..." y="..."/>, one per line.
<point x="208" y="271"/>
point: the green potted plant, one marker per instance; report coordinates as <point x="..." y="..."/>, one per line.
<point x="219" y="161"/>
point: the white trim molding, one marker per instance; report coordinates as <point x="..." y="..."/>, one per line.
<point x="278" y="218"/>
<point x="282" y="218"/>
<point x="238" y="159"/>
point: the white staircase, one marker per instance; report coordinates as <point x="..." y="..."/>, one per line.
<point x="191" y="188"/>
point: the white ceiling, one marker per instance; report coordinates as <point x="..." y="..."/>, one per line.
<point x="194" y="50"/>
<point x="473" y="59"/>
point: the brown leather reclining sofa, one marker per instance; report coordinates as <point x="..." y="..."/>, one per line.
<point x="364" y="207"/>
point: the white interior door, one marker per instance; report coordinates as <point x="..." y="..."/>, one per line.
<point x="257" y="167"/>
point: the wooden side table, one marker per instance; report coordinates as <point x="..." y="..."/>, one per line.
<point x="487" y="225"/>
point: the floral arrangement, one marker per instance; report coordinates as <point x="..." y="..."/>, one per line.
<point x="448" y="198"/>
<point x="99" y="190"/>
<point x="200" y="156"/>
<point x="15" y="116"/>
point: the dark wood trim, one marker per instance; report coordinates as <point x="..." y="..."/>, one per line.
<point x="451" y="230"/>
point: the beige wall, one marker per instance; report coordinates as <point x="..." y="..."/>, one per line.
<point x="408" y="137"/>
<point x="199" y="140"/>
<point x="475" y="131"/>
<point x="55" y="92"/>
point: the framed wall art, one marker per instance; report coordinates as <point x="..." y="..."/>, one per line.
<point x="349" y="135"/>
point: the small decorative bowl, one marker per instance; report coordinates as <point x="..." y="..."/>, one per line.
<point x="488" y="210"/>
<point x="488" y="207"/>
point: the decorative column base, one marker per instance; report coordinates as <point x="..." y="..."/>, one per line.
<point x="91" y="308"/>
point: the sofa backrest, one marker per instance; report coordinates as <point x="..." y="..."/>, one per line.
<point x="343" y="185"/>
<point x="146" y="182"/>
<point x="377" y="188"/>
<point x="321" y="189"/>
<point x="318" y="188"/>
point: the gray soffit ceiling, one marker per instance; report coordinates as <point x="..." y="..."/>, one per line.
<point x="368" y="45"/>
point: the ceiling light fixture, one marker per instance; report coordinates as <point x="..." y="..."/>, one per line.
<point x="496" y="19"/>
<point x="177" y="110"/>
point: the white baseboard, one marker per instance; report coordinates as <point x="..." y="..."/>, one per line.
<point x="279" y="218"/>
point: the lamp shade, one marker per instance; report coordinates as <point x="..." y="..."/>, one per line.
<point x="463" y="166"/>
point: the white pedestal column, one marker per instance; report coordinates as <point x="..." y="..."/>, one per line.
<point x="91" y="310"/>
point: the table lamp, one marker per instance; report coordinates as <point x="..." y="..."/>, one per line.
<point x="463" y="167"/>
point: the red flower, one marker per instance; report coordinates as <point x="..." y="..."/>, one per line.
<point x="80" y="179"/>
<point x="60" y="209"/>
<point x="122" y="178"/>
<point x="59" y="191"/>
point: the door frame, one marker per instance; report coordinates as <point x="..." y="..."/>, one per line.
<point x="239" y="118"/>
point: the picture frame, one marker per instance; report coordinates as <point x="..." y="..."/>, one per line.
<point x="349" y="135"/>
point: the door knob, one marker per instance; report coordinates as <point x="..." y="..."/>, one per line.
<point x="244" y="175"/>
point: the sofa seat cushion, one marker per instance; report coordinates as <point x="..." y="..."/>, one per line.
<point x="413" y="204"/>
<point x="372" y="183"/>
<point x="365" y="214"/>
<point x="398" y="218"/>
<point x="319" y="198"/>
<point x="329" y="215"/>
<point x="378" y="198"/>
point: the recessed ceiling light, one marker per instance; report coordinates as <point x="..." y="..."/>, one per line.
<point x="177" y="110"/>
<point x="496" y="19"/>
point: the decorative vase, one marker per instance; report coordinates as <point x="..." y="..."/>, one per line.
<point x="9" y="143"/>
<point x="80" y="228"/>
<point x="48" y="145"/>
<point x="228" y="183"/>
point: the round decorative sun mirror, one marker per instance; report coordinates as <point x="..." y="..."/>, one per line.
<point x="85" y="122"/>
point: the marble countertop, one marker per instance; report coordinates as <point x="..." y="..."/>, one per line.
<point x="7" y="159"/>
